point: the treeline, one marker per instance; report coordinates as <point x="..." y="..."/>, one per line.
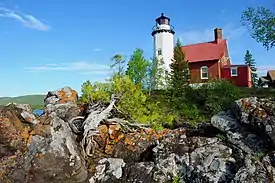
<point x="148" y="93"/>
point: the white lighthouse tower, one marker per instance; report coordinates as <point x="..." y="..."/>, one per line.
<point x="163" y="35"/>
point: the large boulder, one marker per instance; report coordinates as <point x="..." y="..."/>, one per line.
<point x="63" y="95"/>
<point x="40" y="149"/>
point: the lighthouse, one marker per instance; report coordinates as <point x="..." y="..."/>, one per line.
<point x="163" y="35"/>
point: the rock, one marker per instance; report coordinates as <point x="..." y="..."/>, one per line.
<point x="65" y="111"/>
<point x="237" y="146"/>
<point x="258" y="113"/>
<point x="63" y="95"/>
<point x="194" y="159"/>
<point x="108" y="170"/>
<point x="255" y="171"/>
<point x="40" y="149"/>
<point x="238" y="134"/>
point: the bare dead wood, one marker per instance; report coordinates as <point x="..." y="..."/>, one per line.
<point x="91" y="124"/>
<point x="72" y="125"/>
<point x="127" y="124"/>
<point x="99" y="114"/>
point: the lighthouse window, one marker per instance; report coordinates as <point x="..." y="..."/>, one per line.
<point x="159" y="52"/>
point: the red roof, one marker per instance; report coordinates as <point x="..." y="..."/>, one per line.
<point x="205" y="51"/>
<point x="239" y="65"/>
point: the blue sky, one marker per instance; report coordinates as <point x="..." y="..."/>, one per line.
<point x="45" y="45"/>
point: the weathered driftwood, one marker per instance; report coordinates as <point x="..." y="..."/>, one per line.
<point x="91" y="124"/>
<point x="77" y="128"/>
<point x="126" y="124"/>
<point x="98" y="114"/>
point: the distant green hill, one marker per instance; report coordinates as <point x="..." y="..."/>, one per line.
<point x="34" y="100"/>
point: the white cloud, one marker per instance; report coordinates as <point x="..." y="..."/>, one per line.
<point x="204" y="35"/>
<point x="80" y="67"/>
<point x="25" y="19"/>
<point x="97" y="49"/>
<point x="262" y="69"/>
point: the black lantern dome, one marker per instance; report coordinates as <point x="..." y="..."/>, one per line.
<point x="162" y="20"/>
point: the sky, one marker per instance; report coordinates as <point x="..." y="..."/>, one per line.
<point x="45" y="45"/>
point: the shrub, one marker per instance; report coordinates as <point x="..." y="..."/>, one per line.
<point x="192" y="114"/>
<point x="94" y="92"/>
<point x="132" y="101"/>
<point x="213" y="97"/>
<point x="221" y="94"/>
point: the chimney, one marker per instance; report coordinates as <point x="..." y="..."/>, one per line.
<point x="218" y="34"/>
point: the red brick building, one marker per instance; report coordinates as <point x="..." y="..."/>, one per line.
<point x="211" y="60"/>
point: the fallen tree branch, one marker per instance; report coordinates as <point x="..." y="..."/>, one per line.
<point x="75" y="129"/>
<point x="91" y="124"/>
<point x="127" y="123"/>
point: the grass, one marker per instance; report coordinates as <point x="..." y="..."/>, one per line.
<point x="257" y="92"/>
<point x="34" y="100"/>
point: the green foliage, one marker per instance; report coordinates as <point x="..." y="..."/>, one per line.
<point x="132" y="101"/>
<point x="179" y="73"/>
<point x="250" y="61"/>
<point x="137" y="68"/>
<point x="176" y="179"/>
<point x="221" y="95"/>
<point x="260" y="154"/>
<point x="156" y="74"/>
<point x="95" y="92"/>
<point x="261" y="22"/>
<point x="192" y="114"/>
<point x="119" y="61"/>
<point x="257" y="92"/>
<point x="214" y="96"/>
<point x="221" y="137"/>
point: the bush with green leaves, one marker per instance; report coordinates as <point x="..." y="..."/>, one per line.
<point x="132" y="101"/>
<point x="214" y="96"/>
<point x="95" y="92"/>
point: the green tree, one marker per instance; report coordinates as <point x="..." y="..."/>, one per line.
<point x="95" y="92"/>
<point x="119" y="61"/>
<point x="250" y="61"/>
<point x="261" y="22"/>
<point x="132" y="102"/>
<point x="179" y="76"/>
<point x="156" y="74"/>
<point x="137" y="69"/>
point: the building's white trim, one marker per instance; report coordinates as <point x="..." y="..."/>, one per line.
<point x="234" y="68"/>
<point x="201" y="71"/>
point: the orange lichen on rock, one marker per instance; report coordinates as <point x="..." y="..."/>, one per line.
<point x="103" y="135"/>
<point x="108" y="149"/>
<point x="260" y="113"/>
<point x="42" y="130"/>
<point x="67" y="96"/>
<point x="245" y="104"/>
<point x="114" y="131"/>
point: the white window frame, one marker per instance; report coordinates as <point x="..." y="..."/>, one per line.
<point x="234" y="68"/>
<point x="202" y="72"/>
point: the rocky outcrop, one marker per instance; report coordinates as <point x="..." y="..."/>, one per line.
<point x="236" y="147"/>
<point x="40" y="149"/>
<point x="248" y="128"/>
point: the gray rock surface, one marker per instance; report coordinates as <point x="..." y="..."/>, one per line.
<point x="238" y="149"/>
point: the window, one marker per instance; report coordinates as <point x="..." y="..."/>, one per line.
<point x="234" y="71"/>
<point x="159" y="52"/>
<point x="204" y="72"/>
<point x="188" y="73"/>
